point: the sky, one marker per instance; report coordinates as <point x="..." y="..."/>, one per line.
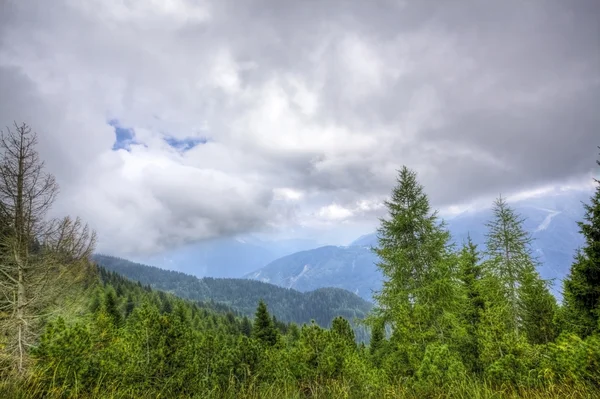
<point x="170" y="122"/>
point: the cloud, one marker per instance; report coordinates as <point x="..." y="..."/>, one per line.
<point x="246" y="116"/>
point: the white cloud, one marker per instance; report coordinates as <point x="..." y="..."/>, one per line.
<point x="225" y="73"/>
<point x="307" y="116"/>
<point x="334" y="212"/>
<point x="290" y="194"/>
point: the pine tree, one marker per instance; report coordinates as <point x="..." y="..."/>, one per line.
<point x="129" y="305"/>
<point x="111" y="306"/>
<point x="246" y="327"/>
<point x="582" y="286"/>
<point x="377" y="337"/>
<point x="538" y="308"/>
<point x="341" y="328"/>
<point x="471" y="274"/>
<point x="263" y="328"/>
<point x="377" y="342"/>
<point x="419" y="295"/>
<point x="511" y="261"/>
<point x="293" y="332"/>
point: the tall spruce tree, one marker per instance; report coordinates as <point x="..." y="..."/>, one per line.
<point x="511" y="261"/>
<point x="246" y="327"/>
<point x="264" y="330"/>
<point x="341" y="328"/>
<point x="419" y="293"/>
<point x="582" y="286"/>
<point x="377" y="337"/>
<point x="538" y="308"/>
<point x="471" y="274"/>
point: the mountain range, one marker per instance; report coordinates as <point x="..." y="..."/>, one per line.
<point x="551" y="220"/>
<point x="352" y="268"/>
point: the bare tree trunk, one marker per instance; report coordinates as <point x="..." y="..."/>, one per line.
<point x="21" y="324"/>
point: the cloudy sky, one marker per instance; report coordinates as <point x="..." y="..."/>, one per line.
<point x="170" y="121"/>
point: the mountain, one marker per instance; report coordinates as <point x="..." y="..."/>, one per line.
<point x="243" y="295"/>
<point x="552" y="221"/>
<point x="226" y="257"/>
<point x="351" y="268"/>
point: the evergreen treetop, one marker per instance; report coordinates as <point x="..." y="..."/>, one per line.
<point x="264" y="329"/>
<point x="582" y="286"/>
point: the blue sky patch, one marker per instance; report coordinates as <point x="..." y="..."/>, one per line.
<point x="185" y="144"/>
<point x="124" y="137"/>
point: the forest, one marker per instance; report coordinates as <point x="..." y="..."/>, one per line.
<point x="242" y="295"/>
<point x="466" y="321"/>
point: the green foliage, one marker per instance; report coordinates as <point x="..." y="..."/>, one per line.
<point x="519" y="293"/>
<point x="377" y="337"/>
<point x="582" y="285"/>
<point x="341" y="329"/>
<point x="518" y="366"/>
<point x="264" y="329"/>
<point x="538" y="309"/>
<point x="111" y="307"/>
<point x="194" y="350"/>
<point x="471" y="275"/>
<point x="440" y="365"/>
<point x="246" y="327"/>
<point x="242" y="295"/>
<point x="420" y="297"/>
<point x="572" y="360"/>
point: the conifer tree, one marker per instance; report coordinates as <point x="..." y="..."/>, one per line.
<point x="582" y="286"/>
<point x="293" y="332"/>
<point x="129" y="305"/>
<point x="510" y="260"/>
<point x="471" y="274"/>
<point x="377" y="337"/>
<point x="111" y="307"/>
<point x="420" y="295"/>
<point x="377" y="342"/>
<point x="341" y="327"/>
<point x="538" y="308"/>
<point x="507" y="251"/>
<point x="246" y="327"/>
<point x="263" y="328"/>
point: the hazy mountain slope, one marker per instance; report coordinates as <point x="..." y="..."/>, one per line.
<point x="351" y="268"/>
<point x="551" y="220"/>
<point x="225" y="257"/>
<point x="243" y="295"/>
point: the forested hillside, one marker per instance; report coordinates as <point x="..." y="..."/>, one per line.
<point x="287" y="305"/>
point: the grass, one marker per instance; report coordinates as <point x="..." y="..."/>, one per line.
<point x="29" y="388"/>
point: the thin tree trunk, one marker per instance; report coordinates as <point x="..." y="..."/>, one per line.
<point x="21" y="301"/>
